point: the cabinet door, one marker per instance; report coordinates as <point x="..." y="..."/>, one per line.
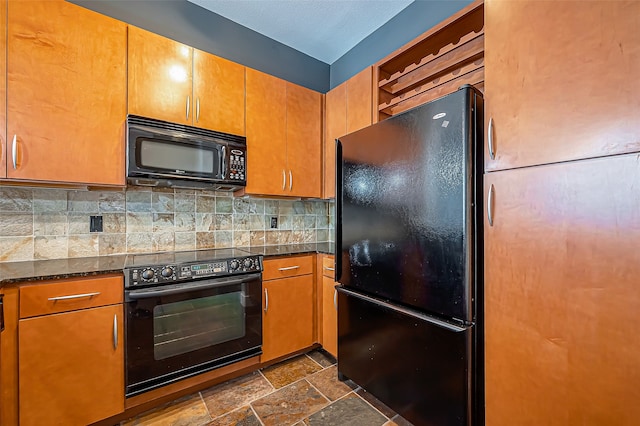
<point x="287" y="317"/>
<point x="335" y="126"/>
<point x="218" y="89"/>
<point x="558" y="80"/>
<point x="160" y="77"/>
<point x="304" y="141"/>
<point x="66" y="104"/>
<point x="267" y="172"/>
<point x="3" y="90"/>
<point x="70" y="369"/>
<point x="561" y="289"/>
<point x="329" y="316"/>
<point x="360" y="100"/>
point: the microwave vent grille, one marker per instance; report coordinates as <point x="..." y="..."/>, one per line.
<point x="159" y="124"/>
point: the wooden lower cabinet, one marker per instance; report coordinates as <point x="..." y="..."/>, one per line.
<point x="329" y="316"/>
<point x="561" y="294"/>
<point x="287" y="317"/>
<point x="288" y="312"/>
<point x="71" y="367"/>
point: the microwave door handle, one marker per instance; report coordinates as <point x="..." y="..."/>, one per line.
<point x="224" y="162"/>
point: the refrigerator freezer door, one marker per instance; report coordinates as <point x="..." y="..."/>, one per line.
<point x="418" y="367"/>
<point x="407" y="209"/>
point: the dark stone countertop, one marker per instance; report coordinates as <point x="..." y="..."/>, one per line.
<point x="39" y="270"/>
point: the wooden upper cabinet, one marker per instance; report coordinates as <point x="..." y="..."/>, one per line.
<point x="349" y="107"/>
<point x="3" y="89"/>
<point x="66" y="93"/>
<point x="335" y="126"/>
<point x="160" y="77"/>
<point x="218" y="91"/>
<point x="284" y="137"/>
<point x="561" y="294"/>
<point x="266" y="134"/>
<point x="174" y="82"/>
<point x="560" y="80"/>
<point x="360" y="100"/>
<point x="304" y="141"/>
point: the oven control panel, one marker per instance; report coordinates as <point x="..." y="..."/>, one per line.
<point x="158" y="274"/>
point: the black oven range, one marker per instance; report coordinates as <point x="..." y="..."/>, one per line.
<point x="189" y="312"/>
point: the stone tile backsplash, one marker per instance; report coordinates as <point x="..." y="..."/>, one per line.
<point x="40" y="223"/>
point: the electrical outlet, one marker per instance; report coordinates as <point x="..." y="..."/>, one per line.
<point x="95" y="223"/>
<point x="274" y="222"/>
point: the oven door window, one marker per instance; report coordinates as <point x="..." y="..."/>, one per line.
<point x="189" y="325"/>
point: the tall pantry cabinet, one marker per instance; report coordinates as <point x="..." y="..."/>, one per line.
<point x="563" y="212"/>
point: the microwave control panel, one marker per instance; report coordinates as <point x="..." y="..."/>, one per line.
<point x="236" y="165"/>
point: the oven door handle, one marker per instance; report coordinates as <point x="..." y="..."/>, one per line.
<point x="185" y="288"/>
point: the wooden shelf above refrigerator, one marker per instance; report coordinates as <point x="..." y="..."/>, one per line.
<point x="438" y="62"/>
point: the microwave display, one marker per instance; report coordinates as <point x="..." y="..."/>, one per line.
<point x="177" y="157"/>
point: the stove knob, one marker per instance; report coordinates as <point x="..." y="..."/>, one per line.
<point x="248" y="263"/>
<point x="147" y="274"/>
<point x="234" y="265"/>
<point x="167" y="272"/>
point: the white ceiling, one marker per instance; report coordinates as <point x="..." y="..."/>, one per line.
<point x="323" y="29"/>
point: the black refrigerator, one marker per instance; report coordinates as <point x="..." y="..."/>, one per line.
<point x="409" y="260"/>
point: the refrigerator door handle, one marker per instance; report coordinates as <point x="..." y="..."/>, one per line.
<point x="414" y="314"/>
<point x="338" y="244"/>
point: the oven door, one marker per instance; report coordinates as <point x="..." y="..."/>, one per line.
<point x="177" y="331"/>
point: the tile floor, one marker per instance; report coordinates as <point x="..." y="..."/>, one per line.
<point x="301" y="391"/>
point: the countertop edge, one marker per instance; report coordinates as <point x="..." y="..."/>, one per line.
<point x="53" y="269"/>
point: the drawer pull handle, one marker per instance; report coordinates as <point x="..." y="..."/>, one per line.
<point x="288" y="268"/>
<point x="290" y="181"/>
<point x="329" y="269"/>
<point x="284" y="179"/>
<point x="73" y="296"/>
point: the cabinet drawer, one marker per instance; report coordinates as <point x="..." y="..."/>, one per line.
<point x="70" y="294"/>
<point x="328" y="266"/>
<point x="287" y="267"/>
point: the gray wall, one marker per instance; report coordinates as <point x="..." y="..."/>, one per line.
<point x="190" y="24"/>
<point x="414" y="20"/>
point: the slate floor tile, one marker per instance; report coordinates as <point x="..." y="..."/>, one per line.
<point x="289" y="405"/>
<point x="241" y="417"/>
<point x="326" y="381"/>
<point x="323" y="358"/>
<point x="235" y="393"/>
<point x="188" y="411"/>
<point x="290" y="371"/>
<point x="348" y="411"/>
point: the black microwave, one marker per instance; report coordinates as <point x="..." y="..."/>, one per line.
<point x="161" y="153"/>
